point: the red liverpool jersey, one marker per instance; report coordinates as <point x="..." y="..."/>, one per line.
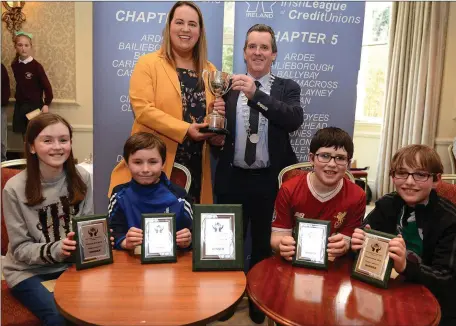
<point x="344" y="208"/>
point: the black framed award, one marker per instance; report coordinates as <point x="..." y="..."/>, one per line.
<point x="218" y="242"/>
<point x="93" y="247"/>
<point x="159" y="238"/>
<point x="373" y="264"/>
<point x="311" y="238"/>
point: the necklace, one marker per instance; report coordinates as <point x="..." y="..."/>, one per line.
<point x="254" y="138"/>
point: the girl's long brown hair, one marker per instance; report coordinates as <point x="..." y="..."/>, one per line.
<point x="77" y="189"/>
<point x="200" y="49"/>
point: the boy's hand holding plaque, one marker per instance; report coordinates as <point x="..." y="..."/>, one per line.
<point x="374" y="264"/>
<point x="311" y="238"/>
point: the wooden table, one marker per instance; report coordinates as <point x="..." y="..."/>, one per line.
<point x="128" y="293"/>
<point x="301" y="296"/>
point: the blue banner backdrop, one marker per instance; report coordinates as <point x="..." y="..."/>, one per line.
<point x="123" y="31"/>
<point x="319" y="46"/>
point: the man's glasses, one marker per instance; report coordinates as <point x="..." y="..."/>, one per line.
<point x="417" y="176"/>
<point x="326" y="158"/>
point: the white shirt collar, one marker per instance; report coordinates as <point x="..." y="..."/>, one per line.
<point x="29" y="59"/>
<point x="263" y="80"/>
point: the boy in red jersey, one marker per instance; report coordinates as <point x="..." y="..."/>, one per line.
<point x="322" y="194"/>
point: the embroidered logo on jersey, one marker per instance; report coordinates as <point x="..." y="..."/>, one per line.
<point x="299" y="215"/>
<point x="340" y="218"/>
<point x="274" y="215"/>
<point x="28" y="75"/>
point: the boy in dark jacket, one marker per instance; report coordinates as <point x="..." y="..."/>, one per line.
<point x="149" y="191"/>
<point x="424" y="250"/>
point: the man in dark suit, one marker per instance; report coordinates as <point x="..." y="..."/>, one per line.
<point x="261" y="111"/>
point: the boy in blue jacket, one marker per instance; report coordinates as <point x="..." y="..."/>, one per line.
<point x="149" y="191"/>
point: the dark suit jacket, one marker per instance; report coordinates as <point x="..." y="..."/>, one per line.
<point x="283" y="110"/>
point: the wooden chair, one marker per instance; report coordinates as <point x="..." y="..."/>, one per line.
<point x="447" y="190"/>
<point x="14" y="163"/>
<point x="13" y="312"/>
<point x="302" y="168"/>
<point x="181" y="176"/>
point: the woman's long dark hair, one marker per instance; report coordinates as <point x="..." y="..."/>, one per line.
<point x="77" y="189"/>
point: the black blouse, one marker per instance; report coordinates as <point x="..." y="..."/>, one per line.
<point x="190" y="152"/>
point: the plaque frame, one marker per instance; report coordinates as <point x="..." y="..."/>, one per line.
<point x="308" y="263"/>
<point x="202" y="262"/>
<point x="80" y="265"/>
<point x="166" y="217"/>
<point x="364" y="276"/>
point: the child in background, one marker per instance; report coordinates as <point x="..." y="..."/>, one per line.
<point x="38" y="205"/>
<point x="31" y="83"/>
<point x="149" y="191"/>
<point x="424" y="250"/>
<point x="6" y="92"/>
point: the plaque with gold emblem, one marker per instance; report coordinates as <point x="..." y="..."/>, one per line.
<point x="93" y="247"/>
<point x="373" y="264"/>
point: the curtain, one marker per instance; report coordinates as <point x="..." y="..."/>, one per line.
<point x="414" y="77"/>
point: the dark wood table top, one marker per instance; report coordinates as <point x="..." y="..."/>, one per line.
<point x="301" y="296"/>
<point x="129" y="293"/>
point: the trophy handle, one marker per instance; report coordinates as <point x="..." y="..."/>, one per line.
<point x="207" y="72"/>
<point x="229" y="76"/>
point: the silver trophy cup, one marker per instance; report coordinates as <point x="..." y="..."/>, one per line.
<point x="219" y="85"/>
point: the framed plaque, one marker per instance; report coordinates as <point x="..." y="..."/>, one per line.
<point x="159" y="238"/>
<point x="373" y="264"/>
<point x="93" y="247"/>
<point x="218" y="242"/>
<point x="311" y="238"/>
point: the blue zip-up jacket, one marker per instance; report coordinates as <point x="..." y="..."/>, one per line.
<point x="129" y="200"/>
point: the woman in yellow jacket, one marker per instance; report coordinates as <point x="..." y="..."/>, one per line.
<point x="167" y="93"/>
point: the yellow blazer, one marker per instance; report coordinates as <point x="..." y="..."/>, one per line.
<point x="155" y="96"/>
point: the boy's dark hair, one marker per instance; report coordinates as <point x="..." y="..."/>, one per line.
<point x="417" y="157"/>
<point x="262" y="28"/>
<point x="143" y="140"/>
<point x="332" y="137"/>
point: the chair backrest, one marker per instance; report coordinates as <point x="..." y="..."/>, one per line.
<point x="452" y="159"/>
<point x="7" y="173"/>
<point x="447" y="190"/>
<point x="181" y="176"/>
<point x="302" y="168"/>
<point x="11" y="163"/>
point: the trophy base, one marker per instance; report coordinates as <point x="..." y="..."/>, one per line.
<point x="219" y="131"/>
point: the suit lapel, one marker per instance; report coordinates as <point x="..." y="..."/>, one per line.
<point x="277" y="89"/>
<point x="172" y="75"/>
